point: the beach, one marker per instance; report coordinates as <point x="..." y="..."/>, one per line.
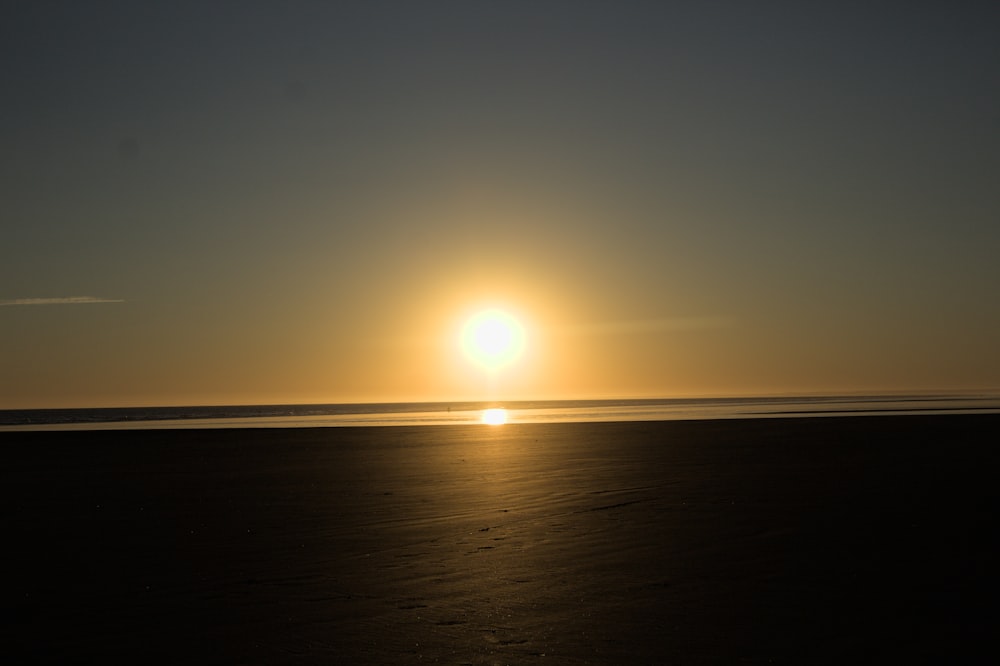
<point x="775" y="540"/>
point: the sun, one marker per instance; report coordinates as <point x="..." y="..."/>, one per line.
<point x="492" y="338"/>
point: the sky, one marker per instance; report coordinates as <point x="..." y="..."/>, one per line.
<point x="287" y="202"/>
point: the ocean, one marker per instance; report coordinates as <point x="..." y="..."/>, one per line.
<point x="465" y="413"/>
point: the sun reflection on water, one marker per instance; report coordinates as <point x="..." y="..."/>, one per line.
<point x="494" y="416"/>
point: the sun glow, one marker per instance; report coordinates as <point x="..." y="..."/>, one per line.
<point x="492" y="339"/>
<point x="495" y="416"/>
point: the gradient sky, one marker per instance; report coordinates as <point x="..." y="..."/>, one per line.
<point x="260" y="202"/>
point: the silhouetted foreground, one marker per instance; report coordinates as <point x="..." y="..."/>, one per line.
<point x="798" y="541"/>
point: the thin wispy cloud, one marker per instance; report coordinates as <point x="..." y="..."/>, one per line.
<point x="64" y="300"/>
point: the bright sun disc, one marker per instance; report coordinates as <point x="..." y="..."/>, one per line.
<point x="492" y="338"/>
<point x="495" y="416"/>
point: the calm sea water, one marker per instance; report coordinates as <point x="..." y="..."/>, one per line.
<point x="409" y="414"/>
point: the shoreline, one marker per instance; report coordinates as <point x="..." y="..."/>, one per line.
<point x="543" y="411"/>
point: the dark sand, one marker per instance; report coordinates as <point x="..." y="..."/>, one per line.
<point x="796" y="541"/>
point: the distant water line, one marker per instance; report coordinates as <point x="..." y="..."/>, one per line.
<point x="468" y="413"/>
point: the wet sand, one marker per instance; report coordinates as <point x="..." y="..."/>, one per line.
<point x="799" y="541"/>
